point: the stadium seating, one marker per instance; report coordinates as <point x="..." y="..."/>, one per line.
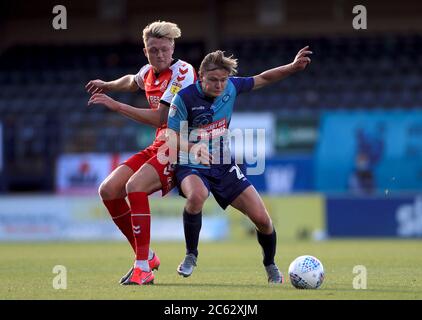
<point x="368" y="72"/>
<point x="376" y="71"/>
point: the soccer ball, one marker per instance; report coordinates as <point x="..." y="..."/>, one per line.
<point x="306" y="272"/>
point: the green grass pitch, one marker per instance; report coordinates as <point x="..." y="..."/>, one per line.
<point x="226" y="270"/>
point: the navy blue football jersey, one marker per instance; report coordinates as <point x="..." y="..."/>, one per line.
<point x="199" y="118"/>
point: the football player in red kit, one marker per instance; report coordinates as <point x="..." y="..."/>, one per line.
<point x="142" y="174"/>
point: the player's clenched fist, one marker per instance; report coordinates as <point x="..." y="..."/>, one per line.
<point x="301" y="60"/>
<point x="101" y="98"/>
<point x="96" y="86"/>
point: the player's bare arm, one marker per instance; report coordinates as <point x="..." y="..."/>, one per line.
<point x="276" y="74"/>
<point x="153" y="117"/>
<point x="126" y="83"/>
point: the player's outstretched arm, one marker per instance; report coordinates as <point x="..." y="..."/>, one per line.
<point x="276" y="74"/>
<point x="126" y="84"/>
<point x="155" y="118"/>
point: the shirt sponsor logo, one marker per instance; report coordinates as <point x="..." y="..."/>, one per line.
<point x="214" y="129"/>
<point x="198" y="108"/>
<point x="154" y="101"/>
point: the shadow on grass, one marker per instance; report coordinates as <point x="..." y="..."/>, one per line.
<point x="286" y="287"/>
<point x="216" y="285"/>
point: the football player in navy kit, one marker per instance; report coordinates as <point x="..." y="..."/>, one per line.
<point x="203" y="110"/>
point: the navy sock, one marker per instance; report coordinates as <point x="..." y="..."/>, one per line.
<point x="268" y="243"/>
<point x="192" y="224"/>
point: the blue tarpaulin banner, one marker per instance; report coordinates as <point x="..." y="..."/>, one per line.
<point x="285" y="175"/>
<point x="379" y="150"/>
<point x="380" y="216"/>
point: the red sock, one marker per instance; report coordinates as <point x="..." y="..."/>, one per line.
<point x="120" y="212"/>
<point x="141" y="223"/>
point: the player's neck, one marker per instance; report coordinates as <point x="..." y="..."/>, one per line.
<point x="157" y="72"/>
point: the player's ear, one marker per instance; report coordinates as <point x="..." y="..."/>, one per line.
<point x="145" y="52"/>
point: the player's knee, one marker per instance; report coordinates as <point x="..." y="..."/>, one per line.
<point x="133" y="186"/>
<point x="197" y="199"/>
<point x="105" y="190"/>
<point x="263" y="222"/>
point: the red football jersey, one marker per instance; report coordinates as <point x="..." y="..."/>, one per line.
<point x="161" y="88"/>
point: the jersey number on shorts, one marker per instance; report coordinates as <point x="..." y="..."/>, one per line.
<point x="239" y="174"/>
<point x="168" y="169"/>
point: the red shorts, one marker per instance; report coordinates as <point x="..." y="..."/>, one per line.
<point x="149" y="155"/>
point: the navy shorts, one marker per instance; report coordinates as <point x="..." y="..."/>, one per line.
<point x="225" y="181"/>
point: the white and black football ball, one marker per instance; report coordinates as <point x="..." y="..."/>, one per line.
<point x="306" y="272"/>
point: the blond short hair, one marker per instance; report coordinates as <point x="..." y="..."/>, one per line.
<point x="161" y="29"/>
<point x="217" y="60"/>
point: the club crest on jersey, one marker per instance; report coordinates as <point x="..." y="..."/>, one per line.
<point x="202" y="120"/>
<point x="226" y="98"/>
<point x="163" y="86"/>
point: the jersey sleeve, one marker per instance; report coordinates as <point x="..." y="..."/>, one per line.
<point x="177" y="113"/>
<point x="243" y="84"/>
<point x="139" y="77"/>
<point x="183" y="76"/>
